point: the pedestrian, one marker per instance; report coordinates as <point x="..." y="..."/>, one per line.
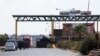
<point x="20" y="44"/>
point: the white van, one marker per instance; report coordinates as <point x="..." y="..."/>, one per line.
<point x="10" y="46"/>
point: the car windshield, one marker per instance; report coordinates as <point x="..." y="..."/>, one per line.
<point x="9" y="43"/>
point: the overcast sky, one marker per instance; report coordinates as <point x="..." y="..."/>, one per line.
<point x="38" y="7"/>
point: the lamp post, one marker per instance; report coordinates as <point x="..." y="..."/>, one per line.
<point x="88" y="5"/>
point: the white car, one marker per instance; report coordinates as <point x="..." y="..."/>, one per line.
<point x="10" y="46"/>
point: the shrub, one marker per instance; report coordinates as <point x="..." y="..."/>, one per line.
<point x="65" y="44"/>
<point x="74" y="45"/>
<point x="89" y="44"/>
<point x="62" y="44"/>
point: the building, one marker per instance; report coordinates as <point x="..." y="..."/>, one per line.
<point x="74" y="12"/>
<point x="68" y="29"/>
<point x="90" y="28"/>
<point x="69" y="32"/>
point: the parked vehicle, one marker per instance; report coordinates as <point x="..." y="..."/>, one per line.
<point x="14" y="41"/>
<point x="10" y="46"/>
<point x="27" y="42"/>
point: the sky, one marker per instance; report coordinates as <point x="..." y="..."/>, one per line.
<point x="38" y="7"/>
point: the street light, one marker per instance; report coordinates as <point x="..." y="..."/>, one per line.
<point x="88" y="5"/>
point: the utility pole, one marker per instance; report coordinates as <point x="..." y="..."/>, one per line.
<point x="16" y="30"/>
<point x="52" y="35"/>
<point x="97" y="36"/>
<point x="52" y="29"/>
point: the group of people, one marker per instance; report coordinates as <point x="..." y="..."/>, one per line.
<point x="22" y="45"/>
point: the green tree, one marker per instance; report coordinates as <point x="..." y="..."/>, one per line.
<point x="3" y="39"/>
<point x="79" y="29"/>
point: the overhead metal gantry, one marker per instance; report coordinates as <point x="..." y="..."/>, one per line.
<point x="52" y="18"/>
<point x="56" y="18"/>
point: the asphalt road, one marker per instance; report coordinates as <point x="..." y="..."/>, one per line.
<point x="39" y="52"/>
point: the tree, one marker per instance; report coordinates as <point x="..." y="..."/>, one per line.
<point x="3" y="39"/>
<point x="79" y="29"/>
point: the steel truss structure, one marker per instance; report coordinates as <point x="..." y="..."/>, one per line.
<point x="56" y="18"/>
<point x="52" y="18"/>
